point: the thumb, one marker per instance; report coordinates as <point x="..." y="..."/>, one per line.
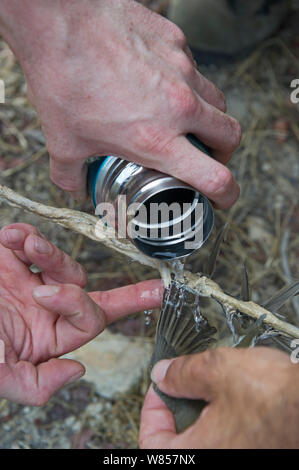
<point x="195" y="376"/>
<point x="157" y="426"/>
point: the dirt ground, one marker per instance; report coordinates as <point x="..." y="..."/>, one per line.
<point x="264" y="224"/>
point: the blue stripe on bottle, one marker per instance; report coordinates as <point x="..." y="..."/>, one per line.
<point x="93" y="174"/>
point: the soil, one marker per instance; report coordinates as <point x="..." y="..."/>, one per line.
<point x="263" y="227"/>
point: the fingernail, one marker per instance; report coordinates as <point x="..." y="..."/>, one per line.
<point x="159" y="371"/>
<point x="42" y="246"/>
<point x="13" y="235"/>
<point x="45" y="291"/>
<point x="75" y="377"/>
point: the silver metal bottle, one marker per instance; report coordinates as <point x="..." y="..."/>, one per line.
<point x="111" y="177"/>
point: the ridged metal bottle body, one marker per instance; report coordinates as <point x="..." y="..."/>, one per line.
<point x="111" y="177"/>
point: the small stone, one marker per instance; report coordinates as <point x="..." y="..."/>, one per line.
<point x="94" y="409"/>
<point x="70" y="421"/>
<point x="76" y="426"/>
<point x="114" y="363"/>
<point x="15" y="445"/>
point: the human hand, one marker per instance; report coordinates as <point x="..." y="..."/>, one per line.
<point x="43" y="316"/>
<point x="114" y="78"/>
<point x="252" y="397"/>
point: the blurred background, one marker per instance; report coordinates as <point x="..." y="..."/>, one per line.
<point x="102" y="410"/>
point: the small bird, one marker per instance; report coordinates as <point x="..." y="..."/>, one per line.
<point x="181" y="330"/>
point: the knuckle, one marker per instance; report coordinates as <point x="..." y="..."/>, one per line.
<point x="78" y="295"/>
<point x="211" y="357"/>
<point x="221" y="182"/>
<point x="182" y="100"/>
<point x="55" y="148"/>
<point x="208" y="359"/>
<point x="74" y="293"/>
<point x="184" y="64"/>
<point x="65" y="263"/>
<point x="178" y="35"/>
<point x="206" y="362"/>
<point x="148" y="139"/>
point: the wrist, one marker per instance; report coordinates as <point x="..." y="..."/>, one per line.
<point x="25" y="25"/>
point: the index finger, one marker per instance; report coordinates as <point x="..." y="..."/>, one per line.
<point x="117" y="303"/>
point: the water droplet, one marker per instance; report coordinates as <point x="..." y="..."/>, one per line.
<point x="148" y="317"/>
<point x="180" y="300"/>
<point x="230" y="316"/>
<point x="200" y="321"/>
<point x="177" y="268"/>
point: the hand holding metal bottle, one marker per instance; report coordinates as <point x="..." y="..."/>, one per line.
<point x="167" y="236"/>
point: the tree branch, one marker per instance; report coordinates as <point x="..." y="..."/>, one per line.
<point x="92" y="227"/>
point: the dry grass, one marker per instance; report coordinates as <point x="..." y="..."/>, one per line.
<point x="264" y="224"/>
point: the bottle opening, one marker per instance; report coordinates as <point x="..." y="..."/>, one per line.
<point x="169" y="224"/>
<point x="166" y="208"/>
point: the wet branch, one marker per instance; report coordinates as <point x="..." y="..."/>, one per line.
<point x="91" y="227"/>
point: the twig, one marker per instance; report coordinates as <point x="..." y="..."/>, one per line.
<point x="91" y="227"/>
<point x="82" y="223"/>
<point x="258" y="52"/>
<point x="36" y="156"/>
<point x="286" y="266"/>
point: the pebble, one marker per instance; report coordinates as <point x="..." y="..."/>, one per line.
<point x="114" y="363"/>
